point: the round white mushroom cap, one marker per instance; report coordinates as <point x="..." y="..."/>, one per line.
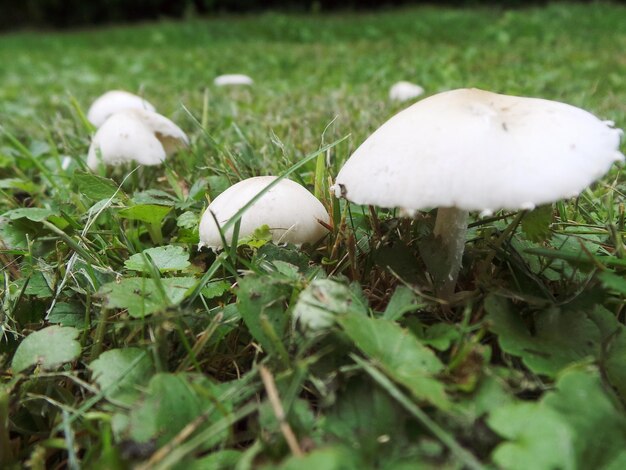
<point x="233" y="79"/>
<point x="113" y="102"/>
<point x="404" y="91"/>
<point x="289" y="210"/>
<point x="477" y="150"/>
<point x="135" y="135"/>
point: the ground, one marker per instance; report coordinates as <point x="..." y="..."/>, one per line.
<point x="187" y="358"/>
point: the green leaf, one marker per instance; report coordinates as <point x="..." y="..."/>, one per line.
<point x="141" y="296"/>
<point x="165" y="258"/>
<point x="613" y="282"/>
<point x="536" y="223"/>
<point x="264" y="297"/>
<point x="37" y="285"/>
<point x="537" y="438"/>
<point x="121" y="373"/>
<point x="327" y="458"/>
<point x="188" y="220"/>
<point x="348" y="422"/>
<point x="323" y="300"/>
<point x="403" y="301"/>
<point x="215" y="289"/>
<point x="558" y="338"/>
<point x="19" y="185"/>
<point x="399" y="354"/>
<point x="36" y="214"/>
<point x="599" y="427"/>
<point x="154" y="196"/>
<point x="96" y="187"/>
<point x="575" y="426"/>
<point x="48" y="348"/>
<point x="148" y="213"/>
<point x="14" y="234"/>
<point x="68" y="314"/>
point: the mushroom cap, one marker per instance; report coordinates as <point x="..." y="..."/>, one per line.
<point x="113" y="102"/>
<point x="289" y="209"/>
<point x="135" y="135"/>
<point x="233" y="79"/>
<point x="477" y="150"/>
<point x="404" y="91"/>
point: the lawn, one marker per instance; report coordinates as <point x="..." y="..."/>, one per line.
<point x="185" y="358"/>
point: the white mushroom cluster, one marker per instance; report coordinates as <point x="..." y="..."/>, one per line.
<point x="291" y="212"/>
<point x="129" y="129"/>
<point x="469" y="149"/>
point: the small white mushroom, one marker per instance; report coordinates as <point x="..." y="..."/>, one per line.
<point x="233" y="79"/>
<point x="135" y="135"/>
<point x="113" y="102"/>
<point x="470" y="149"/>
<point x="290" y="211"/>
<point x="404" y="91"/>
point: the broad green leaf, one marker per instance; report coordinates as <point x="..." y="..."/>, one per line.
<point x="169" y="405"/>
<point x="613" y="282"/>
<point x="536" y="223"/>
<point x="14" y="234"/>
<point x="215" y="289"/>
<point x="37" y="285"/>
<point x="559" y="336"/>
<point x="326" y="458"/>
<point x="322" y="301"/>
<point x="348" y="421"/>
<point x="19" y="184"/>
<point x="536" y="437"/>
<point x="264" y="297"/>
<point x="399" y="353"/>
<point x="165" y="258"/>
<point x="36" y="214"/>
<point x="148" y="213"/>
<point x="188" y="220"/>
<point x="575" y="426"/>
<point x="47" y="348"/>
<point x="599" y="426"/>
<point x="613" y="356"/>
<point x="154" y="196"/>
<point x="68" y="314"/>
<point x="96" y="187"/>
<point x="122" y="373"/>
<point x="141" y="296"/>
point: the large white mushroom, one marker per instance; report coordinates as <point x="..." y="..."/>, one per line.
<point x="291" y="212"/>
<point x="113" y="102"/>
<point x="233" y="79"/>
<point x="404" y="91"/>
<point x="135" y="135"/>
<point x="473" y="150"/>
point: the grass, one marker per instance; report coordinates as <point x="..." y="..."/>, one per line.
<point x="524" y="370"/>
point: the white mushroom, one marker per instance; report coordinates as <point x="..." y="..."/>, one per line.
<point x="292" y="213"/>
<point x="113" y="102"/>
<point x="470" y="149"/>
<point x="233" y="79"/>
<point x="404" y="91"/>
<point x="135" y="135"/>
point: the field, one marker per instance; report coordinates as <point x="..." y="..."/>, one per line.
<point x="112" y="356"/>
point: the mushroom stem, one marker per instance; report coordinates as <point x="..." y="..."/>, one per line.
<point x="449" y="232"/>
